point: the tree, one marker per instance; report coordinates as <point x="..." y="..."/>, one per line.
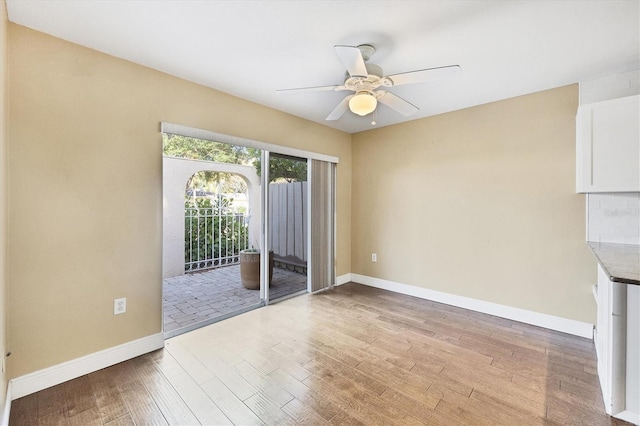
<point x="213" y="182"/>
<point x="282" y="168"/>
<point x="200" y="149"/>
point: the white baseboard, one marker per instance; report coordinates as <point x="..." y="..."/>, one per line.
<point x="42" y="379"/>
<point x="6" y="409"/>
<point x="343" y="279"/>
<point x="551" y="322"/>
<point x="629" y="416"/>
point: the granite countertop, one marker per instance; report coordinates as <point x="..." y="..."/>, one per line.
<point x="621" y="262"/>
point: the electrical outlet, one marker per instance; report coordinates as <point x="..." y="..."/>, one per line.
<point x="374" y="257"/>
<point x="119" y="306"/>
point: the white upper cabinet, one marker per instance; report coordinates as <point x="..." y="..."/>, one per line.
<point x="608" y="146"/>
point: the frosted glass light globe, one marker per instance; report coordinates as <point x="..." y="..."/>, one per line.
<point x="363" y="103"/>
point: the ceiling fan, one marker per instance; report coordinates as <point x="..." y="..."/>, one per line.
<point x="365" y="78"/>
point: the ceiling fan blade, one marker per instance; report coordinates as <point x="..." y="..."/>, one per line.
<point x="340" y="109"/>
<point x="313" y="89"/>
<point x="421" y="76"/>
<point x="352" y="59"/>
<point x="397" y="103"/>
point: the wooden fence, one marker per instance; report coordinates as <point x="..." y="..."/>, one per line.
<point x="288" y="223"/>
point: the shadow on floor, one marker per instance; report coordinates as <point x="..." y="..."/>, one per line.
<point x="197" y="299"/>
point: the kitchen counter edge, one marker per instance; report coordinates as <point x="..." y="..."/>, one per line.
<point x="621" y="262"/>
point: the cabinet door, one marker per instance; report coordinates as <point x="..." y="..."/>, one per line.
<point x="617" y="360"/>
<point x="633" y="351"/>
<point x="608" y="146"/>
<point x="603" y="329"/>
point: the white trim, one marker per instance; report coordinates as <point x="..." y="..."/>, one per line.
<point x="551" y="322"/>
<point x="43" y="379"/>
<point x="586" y="218"/>
<point x="343" y="279"/>
<point x="310" y="261"/>
<point x="629" y="416"/>
<point x="6" y="412"/>
<point x="265" y="158"/>
<point x="192" y="132"/>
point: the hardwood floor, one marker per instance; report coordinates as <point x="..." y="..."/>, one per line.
<point x="353" y="355"/>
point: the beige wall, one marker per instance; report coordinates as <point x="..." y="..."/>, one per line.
<point x="3" y="196"/>
<point x="479" y="203"/>
<point x="85" y="214"/>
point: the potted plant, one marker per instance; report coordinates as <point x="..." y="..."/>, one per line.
<point x="250" y="268"/>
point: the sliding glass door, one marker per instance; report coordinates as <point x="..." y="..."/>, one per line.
<point x="286" y="221"/>
<point x="283" y="212"/>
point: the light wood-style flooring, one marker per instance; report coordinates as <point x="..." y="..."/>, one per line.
<point x="353" y="355"/>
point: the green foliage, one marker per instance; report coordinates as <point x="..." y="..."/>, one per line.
<point x="213" y="232"/>
<point x="280" y="167"/>
<point x="214" y="182"/>
<point x="200" y="149"/>
<point x="287" y="169"/>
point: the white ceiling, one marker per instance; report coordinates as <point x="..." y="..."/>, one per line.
<point x="251" y="48"/>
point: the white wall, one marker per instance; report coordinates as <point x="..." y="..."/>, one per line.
<point x="610" y="87"/>
<point x="175" y="173"/>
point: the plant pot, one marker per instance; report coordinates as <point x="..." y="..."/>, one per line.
<point x="250" y="269"/>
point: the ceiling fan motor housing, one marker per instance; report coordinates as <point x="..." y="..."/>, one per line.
<point x="370" y="82"/>
<point x="367" y="51"/>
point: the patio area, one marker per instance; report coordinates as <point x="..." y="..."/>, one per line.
<point x="200" y="298"/>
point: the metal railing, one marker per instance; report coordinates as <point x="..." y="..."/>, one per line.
<point x="213" y="239"/>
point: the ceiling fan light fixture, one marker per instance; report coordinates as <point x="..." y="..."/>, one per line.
<point x="363" y="103"/>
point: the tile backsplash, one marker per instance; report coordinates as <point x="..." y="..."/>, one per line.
<point x="614" y="218"/>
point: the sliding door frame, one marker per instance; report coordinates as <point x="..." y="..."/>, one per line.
<point x="266" y="150"/>
<point x="264" y="228"/>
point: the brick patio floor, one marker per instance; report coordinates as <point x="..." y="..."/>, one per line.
<point x="201" y="298"/>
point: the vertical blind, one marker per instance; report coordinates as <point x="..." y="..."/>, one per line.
<point x="322" y="241"/>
